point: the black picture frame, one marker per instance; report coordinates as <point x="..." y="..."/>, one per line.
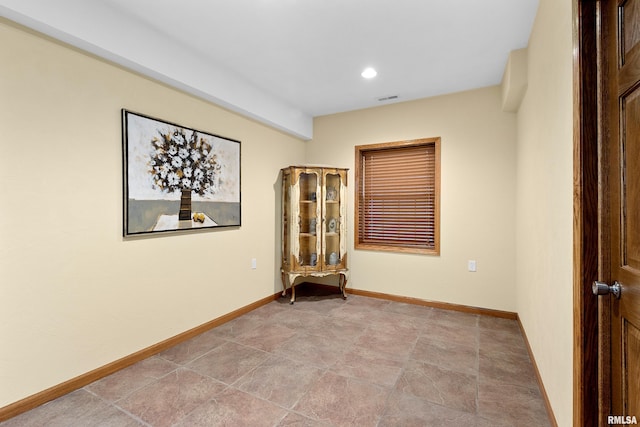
<point x="177" y="178"/>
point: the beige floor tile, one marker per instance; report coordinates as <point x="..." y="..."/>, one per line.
<point x="168" y="400"/>
<point x="344" y="401"/>
<point x="321" y="362"/>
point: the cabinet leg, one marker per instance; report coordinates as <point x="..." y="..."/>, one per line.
<point x="284" y="284"/>
<point x="343" y="285"/>
<point x="293" y="294"/>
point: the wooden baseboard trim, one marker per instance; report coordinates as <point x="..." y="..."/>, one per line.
<point x="435" y="304"/>
<point x="80" y="381"/>
<point x="543" y="391"/>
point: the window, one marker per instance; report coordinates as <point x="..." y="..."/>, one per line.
<point x="397" y="203"/>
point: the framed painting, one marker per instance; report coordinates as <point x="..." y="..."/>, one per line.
<point x="177" y="178"/>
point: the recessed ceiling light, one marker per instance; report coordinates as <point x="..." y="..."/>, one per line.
<point x="369" y="73"/>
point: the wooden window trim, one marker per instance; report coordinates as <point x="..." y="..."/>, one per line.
<point x="362" y="150"/>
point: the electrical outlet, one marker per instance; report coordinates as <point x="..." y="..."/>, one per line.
<point x="472" y="266"/>
<point x="254" y="263"/>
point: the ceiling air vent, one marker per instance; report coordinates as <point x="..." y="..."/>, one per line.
<point x="388" y="98"/>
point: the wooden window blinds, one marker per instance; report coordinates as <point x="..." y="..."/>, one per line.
<point x="398" y="196"/>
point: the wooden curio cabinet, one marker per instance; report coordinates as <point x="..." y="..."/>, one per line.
<point x="314" y="221"/>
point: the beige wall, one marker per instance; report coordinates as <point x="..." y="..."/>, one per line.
<point x="478" y="174"/>
<point x="544" y="203"/>
<point x="74" y="295"/>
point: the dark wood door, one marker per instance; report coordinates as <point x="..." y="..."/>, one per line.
<point x="621" y="152"/>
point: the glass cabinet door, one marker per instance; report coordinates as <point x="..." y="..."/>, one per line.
<point x="286" y="219"/>
<point x="333" y="221"/>
<point x="309" y="219"/>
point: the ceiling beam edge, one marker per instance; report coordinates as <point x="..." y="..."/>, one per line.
<point x="225" y="90"/>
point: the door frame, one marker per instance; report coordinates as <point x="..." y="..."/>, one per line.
<point x="591" y="366"/>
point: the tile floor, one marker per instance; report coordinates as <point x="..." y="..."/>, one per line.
<point x="321" y="362"/>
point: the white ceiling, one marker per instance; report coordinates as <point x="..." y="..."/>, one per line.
<point x="284" y="62"/>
